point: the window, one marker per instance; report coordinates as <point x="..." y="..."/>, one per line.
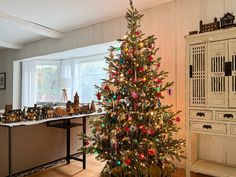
<point x="42" y="80"/>
<point x="90" y="74"/>
<point x="47" y="83"/>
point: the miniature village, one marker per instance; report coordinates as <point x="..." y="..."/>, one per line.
<point x="44" y="112"/>
<point x="227" y="21"/>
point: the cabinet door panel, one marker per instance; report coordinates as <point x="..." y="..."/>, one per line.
<point x="218" y="90"/>
<point x="232" y="79"/>
<point x="198" y="75"/>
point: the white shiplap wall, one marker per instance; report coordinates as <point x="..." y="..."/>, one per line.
<point x="169" y="22"/>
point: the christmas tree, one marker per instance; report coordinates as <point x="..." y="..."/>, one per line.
<point x="135" y="135"/>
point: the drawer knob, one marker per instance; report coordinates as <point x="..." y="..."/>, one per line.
<point x="228" y="116"/>
<point x="207" y="126"/>
<point x="200" y="114"/>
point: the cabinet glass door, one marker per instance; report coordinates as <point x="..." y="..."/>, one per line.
<point x="232" y="77"/>
<point x="197" y="78"/>
<point x="218" y="82"/>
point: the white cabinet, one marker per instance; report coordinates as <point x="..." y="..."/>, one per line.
<point x="211" y="102"/>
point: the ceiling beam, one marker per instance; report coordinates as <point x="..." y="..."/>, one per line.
<point x="30" y="26"/>
<point x="10" y="45"/>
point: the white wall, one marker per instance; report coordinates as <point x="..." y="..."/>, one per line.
<point x="169" y="22"/>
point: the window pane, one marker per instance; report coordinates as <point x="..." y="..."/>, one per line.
<point x="46" y="83"/>
<point x="90" y="74"/>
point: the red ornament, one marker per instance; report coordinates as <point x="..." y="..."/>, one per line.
<point x="135" y="106"/>
<point x="133" y="80"/>
<point x="170" y="122"/>
<point x="158" y="65"/>
<point x="127" y="161"/>
<point x="130" y="71"/>
<point x="141" y="156"/>
<point x="99" y="95"/>
<point x="118" y="97"/>
<point x="137" y="33"/>
<point x="151" y="131"/>
<point x="159" y="95"/>
<point x="144" y="130"/>
<point x="151" y="46"/>
<point x="107" y="88"/>
<point x="177" y="119"/>
<point x="141" y="69"/>
<point x="127" y="129"/>
<point x="152" y="152"/>
<point x="134" y="95"/>
<point x="150" y="58"/>
<point x="159" y="81"/>
<point x="87" y="143"/>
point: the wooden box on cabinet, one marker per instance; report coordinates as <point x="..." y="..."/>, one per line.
<point x="211" y="101"/>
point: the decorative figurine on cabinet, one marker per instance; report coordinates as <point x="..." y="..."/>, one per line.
<point x="227" y="20"/>
<point x="210" y="26"/>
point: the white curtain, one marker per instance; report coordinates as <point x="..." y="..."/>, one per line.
<point x="28" y="83"/>
<point x="84" y="74"/>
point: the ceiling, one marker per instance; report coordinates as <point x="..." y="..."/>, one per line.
<point x="24" y="21"/>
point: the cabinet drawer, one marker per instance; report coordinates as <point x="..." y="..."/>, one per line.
<point x="201" y="115"/>
<point x="208" y="127"/>
<point x="233" y="129"/>
<point x="226" y="116"/>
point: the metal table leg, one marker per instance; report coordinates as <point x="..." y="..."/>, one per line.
<point x="10" y="151"/>
<point x="84" y="143"/>
<point x="68" y="141"/>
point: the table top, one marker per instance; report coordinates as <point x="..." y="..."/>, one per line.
<point x="36" y="122"/>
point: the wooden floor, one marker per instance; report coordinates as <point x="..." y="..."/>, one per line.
<point x="93" y="170"/>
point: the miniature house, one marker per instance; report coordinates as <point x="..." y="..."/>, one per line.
<point x="227" y="20"/>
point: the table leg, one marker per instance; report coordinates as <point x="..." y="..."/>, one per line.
<point x="68" y="141"/>
<point x="10" y="151"/>
<point x="84" y="143"/>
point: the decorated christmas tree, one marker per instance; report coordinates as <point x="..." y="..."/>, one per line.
<point x="135" y="136"/>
